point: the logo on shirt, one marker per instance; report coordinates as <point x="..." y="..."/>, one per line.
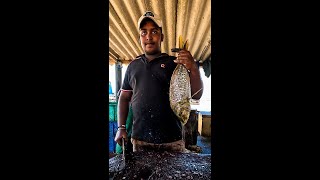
<point x="163" y="65"/>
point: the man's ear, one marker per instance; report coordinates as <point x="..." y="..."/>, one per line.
<point x="162" y="36"/>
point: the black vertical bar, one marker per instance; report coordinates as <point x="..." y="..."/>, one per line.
<point x="118" y="77"/>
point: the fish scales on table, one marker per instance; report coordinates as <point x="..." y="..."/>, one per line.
<point x="162" y="165"/>
<point x="180" y="89"/>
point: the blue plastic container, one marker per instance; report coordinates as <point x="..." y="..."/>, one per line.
<point x="112" y="134"/>
<point x="110" y="88"/>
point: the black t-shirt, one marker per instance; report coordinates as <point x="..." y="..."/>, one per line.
<point x="153" y="119"/>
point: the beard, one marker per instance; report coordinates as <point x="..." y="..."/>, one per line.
<point x="154" y="52"/>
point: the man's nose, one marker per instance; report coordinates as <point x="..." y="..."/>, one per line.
<point x="149" y="36"/>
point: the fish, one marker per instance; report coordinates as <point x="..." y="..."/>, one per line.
<point x="180" y="89"/>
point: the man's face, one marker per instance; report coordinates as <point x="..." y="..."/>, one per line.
<point x="150" y="38"/>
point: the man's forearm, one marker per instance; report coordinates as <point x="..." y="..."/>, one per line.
<point x="123" y="109"/>
<point x="196" y="84"/>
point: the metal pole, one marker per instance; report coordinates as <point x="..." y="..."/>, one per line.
<point x="118" y="67"/>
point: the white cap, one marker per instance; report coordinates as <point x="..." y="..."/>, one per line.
<point x="148" y="14"/>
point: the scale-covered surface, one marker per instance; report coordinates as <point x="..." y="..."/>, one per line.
<point x="161" y="165"/>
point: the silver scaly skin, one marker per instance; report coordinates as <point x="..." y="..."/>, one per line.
<point x="180" y="93"/>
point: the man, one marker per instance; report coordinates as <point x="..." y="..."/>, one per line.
<point x="146" y="85"/>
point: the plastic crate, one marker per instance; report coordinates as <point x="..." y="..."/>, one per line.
<point x="112" y="134"/>
<point x="112" y="111"/>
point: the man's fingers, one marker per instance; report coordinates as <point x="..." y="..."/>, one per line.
<point x="118" y="140"/>
<point x="183" y="52"/>
<point x="180" y="61"/>
<point x="119" y="137"/>
<point x="185" y="57"/>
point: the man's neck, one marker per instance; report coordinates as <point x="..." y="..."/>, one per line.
<point x="152" y="57"/>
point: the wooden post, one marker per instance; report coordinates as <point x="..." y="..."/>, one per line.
<point x="190" y="129"/>
<point x="118" y="67"/>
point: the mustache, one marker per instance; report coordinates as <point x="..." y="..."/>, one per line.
<point x="151" y="42"/>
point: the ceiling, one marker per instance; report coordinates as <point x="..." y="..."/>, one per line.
<point x="189" y="18"/>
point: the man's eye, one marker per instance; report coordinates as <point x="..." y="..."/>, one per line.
<point x="143" y="33"/>
<point x="154" y="32"/>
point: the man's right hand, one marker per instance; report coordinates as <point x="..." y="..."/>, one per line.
<point x="121" y="133"/>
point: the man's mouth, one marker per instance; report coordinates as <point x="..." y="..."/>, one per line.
<point x="151" y="44"/>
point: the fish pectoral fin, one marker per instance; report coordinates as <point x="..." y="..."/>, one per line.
<point x="180" y="42"/>
<point x="186" y="45"/>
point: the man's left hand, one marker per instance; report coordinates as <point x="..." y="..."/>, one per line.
<point x="185" y="58"/>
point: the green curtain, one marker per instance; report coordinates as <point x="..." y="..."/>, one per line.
<point x="129" y="130"/>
